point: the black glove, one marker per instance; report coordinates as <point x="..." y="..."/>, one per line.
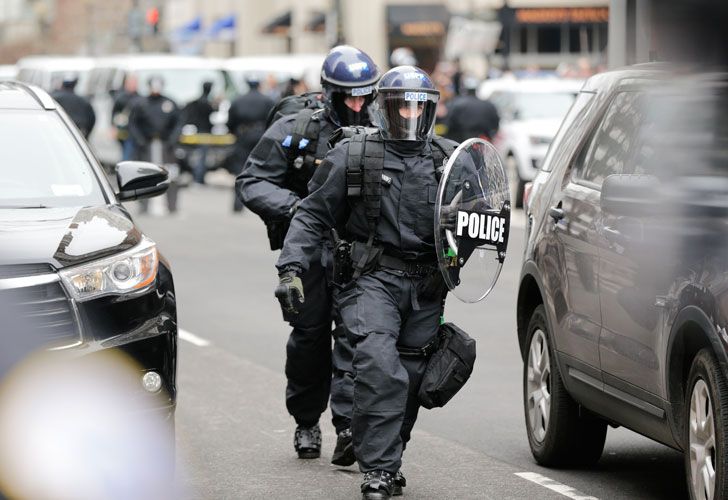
<point x="449" y="217"/>
<point x="289" y="293"/>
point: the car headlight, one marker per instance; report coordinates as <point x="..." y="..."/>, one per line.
<point x="539" y="141"/>
<point x="124" y="273"/>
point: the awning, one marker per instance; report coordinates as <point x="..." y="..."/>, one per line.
<point x="316" y="23"/>
<point x="416" y="21"/>
<point x="279" y="25"/>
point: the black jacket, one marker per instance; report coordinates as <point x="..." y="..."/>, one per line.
<point x="77" y="108"/>
<point x="198" y="113"/>
<point x="469" y="117"/>
<point x="268" y="185"/>
<point x="154" y="117"/>
<point x="405" y="227"/>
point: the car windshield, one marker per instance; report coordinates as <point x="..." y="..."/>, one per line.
<point x="42" y="165"/>
<point x="183" y="85"/>
<point x="538" y="105"/>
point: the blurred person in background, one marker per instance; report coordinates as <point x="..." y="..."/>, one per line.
<point x="270" y="87"/>
<point x="402" y="56"/>
<point x="154" y="124"/>
<point x="295" y="86"/>
<point x="470" y="116"/>
<point x="123" y="103"/>
<point x="76" y="107"/>
<point x="197" y="113"/>
<point x="246" y="119"/>
<point x="274" y="180"/>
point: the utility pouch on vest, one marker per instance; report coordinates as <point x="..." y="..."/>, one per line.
<point x="367" y="254"/>
<point x="277" y="233"/>
<point x="449" y="367"/>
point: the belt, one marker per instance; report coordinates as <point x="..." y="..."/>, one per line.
<point x="420" y="352"/>
<point x="411" y="267"/>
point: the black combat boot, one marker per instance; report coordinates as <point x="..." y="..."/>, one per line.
<point x="399" y="483"/>
<point x="377" y="485"/>
<point x="344" y="451"/>
<point x="307" y="441"/>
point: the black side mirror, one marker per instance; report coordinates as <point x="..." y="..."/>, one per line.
<point x="140" y="179"/>
<point x="629" y="195"/>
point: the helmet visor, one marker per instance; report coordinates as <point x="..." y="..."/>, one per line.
<point x="405" y="115"/>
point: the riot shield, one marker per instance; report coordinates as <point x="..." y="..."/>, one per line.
<point x="472" y="220"/>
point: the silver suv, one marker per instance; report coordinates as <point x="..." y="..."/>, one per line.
<point x="623" y="298"/>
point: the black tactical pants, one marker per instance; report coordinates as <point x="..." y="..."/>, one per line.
<point x="379" y="311"/>
<point x="310" y="362"/>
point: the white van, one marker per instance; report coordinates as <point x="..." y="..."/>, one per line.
<point x="183" y="78"/>
<point x="47" y="72"/>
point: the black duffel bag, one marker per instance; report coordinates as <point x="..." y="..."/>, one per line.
<point x="449" y="367"/>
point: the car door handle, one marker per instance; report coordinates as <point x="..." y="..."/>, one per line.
<point x="612" y="235"/>
<point x="556" y="213"/>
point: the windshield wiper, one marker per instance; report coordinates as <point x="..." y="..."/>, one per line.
<point x="23" y="206"/>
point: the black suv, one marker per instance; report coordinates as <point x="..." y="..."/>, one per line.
<point x="623" y="299"/>
<point x="76" y="274"/>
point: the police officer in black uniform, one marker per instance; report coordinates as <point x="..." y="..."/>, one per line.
<point x="154" y="124"/>
<point x="393" y="302"/>
<point x="246" y="119"/>
<point x="78" y="109"/>
<point x="469" y="116"/>
<point x="273" y="183"/>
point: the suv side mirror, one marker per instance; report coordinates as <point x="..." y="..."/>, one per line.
<point x="140" y="179"/>
<point x="629" y="195"/>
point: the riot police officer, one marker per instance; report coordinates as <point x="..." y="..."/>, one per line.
<point x="78" y="109"/>
<point x="273" y="183"/>
<point x="379" y="189"/>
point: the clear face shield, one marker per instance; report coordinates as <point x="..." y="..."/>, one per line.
<point x="405" y="115"/>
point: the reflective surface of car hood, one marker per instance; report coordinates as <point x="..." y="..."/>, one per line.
<point x="64" y="236"/>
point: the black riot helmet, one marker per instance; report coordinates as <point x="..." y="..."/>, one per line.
<point x="405" y="105"/>
<point x="348" y="72"/>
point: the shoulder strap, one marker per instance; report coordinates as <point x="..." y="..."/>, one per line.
<point x="365" y="163"/>
<point x="441" y="151"/>
<point x="304" y="139"/>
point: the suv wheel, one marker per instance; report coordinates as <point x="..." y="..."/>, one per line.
<point x="706" y="429"/>
<point x="557" y="434"/>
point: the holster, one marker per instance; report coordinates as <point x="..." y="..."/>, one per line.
<point x="449" y="367"/>
<point x="343" y="268"/>
<point x="277" y="230"/>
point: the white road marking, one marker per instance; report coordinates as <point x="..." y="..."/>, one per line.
<point x="562" y="489"/>
<point x="192" y="338"/>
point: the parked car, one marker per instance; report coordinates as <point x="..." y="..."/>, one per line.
<point x="183" y="77"/>
<point x="8" y="72"/>
<point x="622" y="307"/>
<point x="530" y="112"/>
<point x="47" y="72"/>
<point x="74" y="268"/>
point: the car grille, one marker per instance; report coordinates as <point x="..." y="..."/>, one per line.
<point x="42" y="310"/>
<point x="21" y="270"/>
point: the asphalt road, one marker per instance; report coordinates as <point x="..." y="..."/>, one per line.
<point x="234" y="436"/>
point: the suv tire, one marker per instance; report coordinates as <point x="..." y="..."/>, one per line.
<point x="706" y="428"/>
<point x="557" y="434"/>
